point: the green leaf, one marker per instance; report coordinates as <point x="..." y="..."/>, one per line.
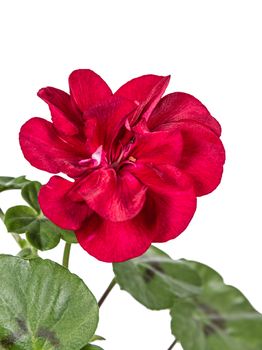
<point x="11" y="183"/>
<point x="67" y="235"/>
<point x="30" y="194"/>
<point x="20" y="219"/>
<point x="44" y="306"/>
<point x="91" y="347"/>
<point x="220" y="317"/>
<point x="97" y="337"/>
<point x="40" y="232"/>
<point x="154" y="279"/>
<point x="27" y="253"/>
<point x="44" y="236"/>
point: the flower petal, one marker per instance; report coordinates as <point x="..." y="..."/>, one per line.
<point x="167" y="211"/>
<point x="59" y="205"/>
<point x="104" y="121"/>
<point x="180" y="106"/>
<point x="45" y="150"/>
<point x="116" y="197"/>
<point x="65" y="117"/>
<point x="88" y="88"/>
<point x="160" y="147"/>
<point x="203" y="156"/>
<point x="171" y="200"/>
<point x="116" y="241"/>
<point x="139" y="88"/>
<point x="146" y="91"/>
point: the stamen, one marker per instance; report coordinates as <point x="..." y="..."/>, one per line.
<point x="132" y="159"/>
<point x="85" y="161"/>
<point x="97" y="155"/>
<point x="95" y="159"/>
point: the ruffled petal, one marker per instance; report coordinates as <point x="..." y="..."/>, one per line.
<point x="88" y="88"/>
<point x="146" y="92"/>
<point x="116" y="241"/>
<point x="116" y="197"/>
<point x="167" y="211"/>
<point x="66" y="118"/>
<point x="45" y="150"/>
<point x="178" y="107"/>
<point x="104" y="121"/>
<point x="59" y="205"/>
<point x="203" y="156"/>
<point x="171" y="200"/>
<point x="160" y="147"/>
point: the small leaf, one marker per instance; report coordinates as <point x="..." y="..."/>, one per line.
<point x="27" y="253"/>
<point x="68" y="236"/>
<point x="97" y="337"/>
<point x="44" y="236"/>
<point x="44" y="306"/>
<point x="40" y="232"/>
<point x="20" y="219"/>
<point x="91" y="347"/>
<point x="11" y="183"/>
<point x="30" y="194"/>
<point x="154" y="279"/>
<point x="220" y="317"/>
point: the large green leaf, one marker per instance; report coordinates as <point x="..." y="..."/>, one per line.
<point x="11" y="183"/>
<point x="30" y="194"/>
<point x="43" y="306"/>
<point x="220" y="317"/>
<point x="154" y="279"/>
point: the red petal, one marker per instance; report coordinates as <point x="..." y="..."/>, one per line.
<point x="88" y="88"/>
<point x="45" y="150"/>
<point x="203" y="156"/>
<point x="116" y="241"/>
<point x="65" y="117"/>
<point x="116" y="197"/>
<point x="166" y="213"/>
<point x="159" y="147"/>
<point x="104" y="121"/>
<point x="58" y="204"/>
<point x="177" y="107"/>
<point x="139" y="88"/>
<point x="146" y="91"/>
<point x="171" y="200"/>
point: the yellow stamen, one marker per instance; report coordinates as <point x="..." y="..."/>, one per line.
<point x="132" y="159"/>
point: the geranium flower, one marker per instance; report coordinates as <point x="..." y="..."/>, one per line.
<point x="138" y="161"/>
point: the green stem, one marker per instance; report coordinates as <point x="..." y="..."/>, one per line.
<point x="20" y="241"/>
<point x="107" y="291"/>
<point x="66" y="254"/>
<point x="172" y="345"/>
<point x="2" y="215"/>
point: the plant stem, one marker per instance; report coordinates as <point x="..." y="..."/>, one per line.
<point x="2" y="215"/>
<point x="172" y="345"/>
<point x="20" y="241"/>
<point x="107" y="291"/>
<point x="66" y="254"/>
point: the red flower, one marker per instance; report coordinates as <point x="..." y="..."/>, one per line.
<point x="138" y="161"/>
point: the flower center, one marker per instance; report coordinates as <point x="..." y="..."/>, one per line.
<point x="124" y="156"/>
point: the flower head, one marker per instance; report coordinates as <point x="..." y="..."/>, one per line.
<point x="138" y="161"/>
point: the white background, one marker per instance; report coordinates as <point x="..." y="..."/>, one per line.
<point x="212" y="49"/>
